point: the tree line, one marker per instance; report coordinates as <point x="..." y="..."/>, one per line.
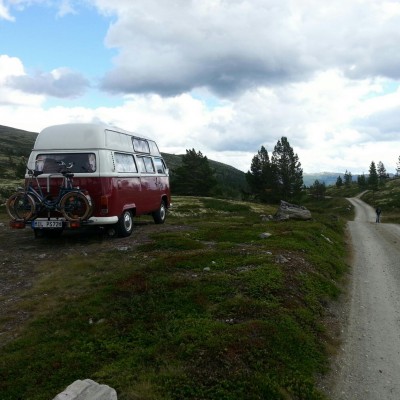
<point x="376" y="178"/>
<point x="270" y="179"/>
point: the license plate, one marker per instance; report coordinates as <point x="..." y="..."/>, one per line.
<point x="49" y="224"/>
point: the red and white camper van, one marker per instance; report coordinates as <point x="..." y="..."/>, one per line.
<point x="124" y="174"/>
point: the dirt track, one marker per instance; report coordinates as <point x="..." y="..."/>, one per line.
<point x="368" y="366"/>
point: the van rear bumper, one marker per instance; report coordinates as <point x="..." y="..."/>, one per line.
<point x="103" y="220"/>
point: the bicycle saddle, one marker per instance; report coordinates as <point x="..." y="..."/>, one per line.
<point x="34" y="172"/>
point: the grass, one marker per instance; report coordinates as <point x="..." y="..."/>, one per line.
<point x="208" y="310"/>
<point x="387" y="197"/>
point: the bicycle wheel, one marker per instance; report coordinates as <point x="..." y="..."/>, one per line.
<point x="75" y="206"/>
<point x="21" y="206"/>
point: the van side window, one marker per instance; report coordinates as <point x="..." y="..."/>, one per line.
<point x="146" y="165"/>
<point x="140" y="145"/>
<point x="124" y="162"/>
<point x="153" y="148"/>
<point x="160" y="166"/>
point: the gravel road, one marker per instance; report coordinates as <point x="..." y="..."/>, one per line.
<point x="368" y="365"/>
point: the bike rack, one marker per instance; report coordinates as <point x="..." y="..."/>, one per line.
<point x="58" y="174"/>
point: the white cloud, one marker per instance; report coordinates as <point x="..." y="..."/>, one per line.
<point x="66" y="7"/>
<point x="4" y="12"/>
<point x="60" y="82"/>
<point x="12" y="68"/>
<point x="63" y="7"/>
<point x="225" y="77"/>
<point x="229" y="47"/>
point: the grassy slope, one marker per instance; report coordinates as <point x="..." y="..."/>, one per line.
<point x="388" y="199"/>
<point x="206" y="310"/>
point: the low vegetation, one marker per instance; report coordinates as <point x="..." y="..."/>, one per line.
<point x="387" y="197"/>
<point x="205" y="308"/>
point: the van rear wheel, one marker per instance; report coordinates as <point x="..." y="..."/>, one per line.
<point x="125" y="224"/>
<point x="160" y="215"/>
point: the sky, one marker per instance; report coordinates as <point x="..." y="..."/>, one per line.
<point x="223" y="77"/>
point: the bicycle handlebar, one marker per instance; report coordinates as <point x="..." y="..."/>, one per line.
<point x="34" y="172"/>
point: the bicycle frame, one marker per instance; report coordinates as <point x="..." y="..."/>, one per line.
<point x="30" y="202"/>
<point x="41" y="199"/>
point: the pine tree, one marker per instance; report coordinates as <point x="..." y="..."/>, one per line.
<point x="287" y="169"/>
<point x="278" y="178"/>
<point x="348" y="178"/>
<point x="362" y="181"/>
<point x="339" y="182"/>
<point x="373" y="177"/>
<point x="195" y="177"/>
<point x="382" y="174"/>
<point x="398" y="167"/>
<point x="261" y="176"/>
<point x="318" y="189"/>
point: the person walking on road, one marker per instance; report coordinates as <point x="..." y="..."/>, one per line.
<point x="378" y="214"/>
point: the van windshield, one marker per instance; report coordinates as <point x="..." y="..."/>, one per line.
<point x="52" y="163"/>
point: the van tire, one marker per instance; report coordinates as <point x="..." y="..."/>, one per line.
<point x="160" y="215"/>
<point x="125" y="224"/>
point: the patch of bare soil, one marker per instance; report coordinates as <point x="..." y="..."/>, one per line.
<point x="21" y="253"/>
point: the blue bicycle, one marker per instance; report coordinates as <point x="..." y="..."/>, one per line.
<point x="29" y="202"/>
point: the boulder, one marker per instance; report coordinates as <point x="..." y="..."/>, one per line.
<point x="87" y="390"/>
<point x="292" y="211"/>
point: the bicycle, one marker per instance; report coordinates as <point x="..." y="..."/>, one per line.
<point x="73" y="203"/>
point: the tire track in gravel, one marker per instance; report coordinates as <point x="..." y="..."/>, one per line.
<point x="368" y="364"/>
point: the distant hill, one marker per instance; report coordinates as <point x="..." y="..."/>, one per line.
<point x="231" y="181"/>
<point x="17" y="143"/>
<point x="329" y="178"/>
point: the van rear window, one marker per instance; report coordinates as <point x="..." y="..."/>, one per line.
<point x="51" y="163"/>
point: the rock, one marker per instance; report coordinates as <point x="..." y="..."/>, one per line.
<point x="265" y="235"/>
<point x="87" y="390"/>
<point x="207" y="269"/>
<point x="292" y="211"/>
<point x="266" y="218"/>
<point x="327" y="239"/>
<point x="123" y="248"/>
<point x="280" y="259"/>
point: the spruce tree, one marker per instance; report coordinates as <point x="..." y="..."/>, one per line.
<point x="382" y="174"/>
<point x="373" y="177"/>
<point x="261" y="176"/>
<point x="348" y="178"/>
<point x="318" y="189"/>
<point x="362" y="181"/>
<point x="398" y="167"/>
<point x="287" y="170"/>
<point x="339" y="182"/>
<point x="194" y="177"/>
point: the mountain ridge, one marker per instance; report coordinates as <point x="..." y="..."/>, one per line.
<point x="16" y="143"/>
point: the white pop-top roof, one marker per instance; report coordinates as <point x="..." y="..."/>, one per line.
<point x="81" y="136"/>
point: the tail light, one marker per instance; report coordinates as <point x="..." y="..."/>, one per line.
<point x="74" y="224"/>
<point x="17" y="224"/>
<point x="104" y="205"/>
